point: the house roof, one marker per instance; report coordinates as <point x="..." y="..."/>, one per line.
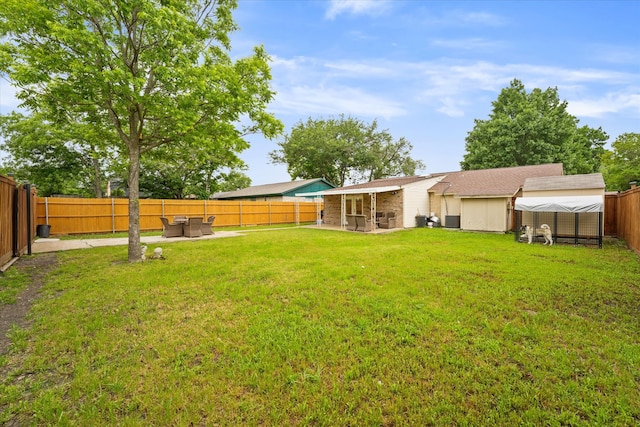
<point x="498" y="182"/>
<point x="276" y="189"/>
<point x="568" y="182"/>
<point x="378" y="185"/>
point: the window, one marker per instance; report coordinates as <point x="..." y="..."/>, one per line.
<point x="353" y="205"/>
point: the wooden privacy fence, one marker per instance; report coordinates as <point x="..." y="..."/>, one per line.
<point x="85" y="216"/>
<point x="17" y="219"/>
<point x="627" y="210"/>
<point x="611" y="214"/>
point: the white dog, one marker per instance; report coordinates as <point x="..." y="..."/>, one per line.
<point x="544" y="230"/>
<point x="546" y="233"/>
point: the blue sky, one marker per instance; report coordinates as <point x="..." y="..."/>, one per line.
<point x="426" y="69"/>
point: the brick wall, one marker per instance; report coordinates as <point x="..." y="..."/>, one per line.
<point x="389" y="202"/>
<point x="332" y="210"/>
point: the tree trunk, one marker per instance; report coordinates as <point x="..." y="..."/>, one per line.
<point x="135" y="254"/>
<point x="97" y="184"/>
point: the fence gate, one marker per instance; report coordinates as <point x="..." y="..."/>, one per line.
<point x="17" y="220"/>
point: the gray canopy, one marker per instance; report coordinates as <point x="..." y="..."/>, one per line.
<point x="561" y="204"/>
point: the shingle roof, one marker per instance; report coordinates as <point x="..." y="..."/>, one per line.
<point x="568" y="182"/>
<point x="493" y="182"/>
<point x="275" y="189"/>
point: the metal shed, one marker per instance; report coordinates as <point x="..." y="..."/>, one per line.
<point x="573" y="219"/>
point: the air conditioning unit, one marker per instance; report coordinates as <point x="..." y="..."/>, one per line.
<point x="452" y="221"/>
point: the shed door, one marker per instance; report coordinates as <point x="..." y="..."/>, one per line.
<point x="484" y="215"/>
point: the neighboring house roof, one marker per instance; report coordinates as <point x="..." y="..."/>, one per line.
<point x="567" y="182"/>
<point x="276" y="189"/>
<point x="378" y="185"/>
<point x="221" y="195"/>
<point x="498" y="182"/>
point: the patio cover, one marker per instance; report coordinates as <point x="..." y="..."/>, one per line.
<point x="571" y="204"/>
<point x="362" y="190"/>
<point x="351" y="191"/>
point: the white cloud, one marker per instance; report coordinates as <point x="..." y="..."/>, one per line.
<point x="360" y="35"/>
<point x="610" y="103"/>
<point x="472" y="44"/>
<point x="482" y="18"/>
<point x="616" y="54"/>
<point x="452" y="107"/>
<point x="291" y="64"/>
<point x="357" y="7"/>
<point x="313" y="100"/>
<point x="458" y="18"/>
<point x="383" y="88"/>
<point x="361" y="69"/>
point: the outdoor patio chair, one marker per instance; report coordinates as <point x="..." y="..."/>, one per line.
<point x="388" y="221"/>
<point x="207" y="226"/>
<point x="362" y="223"/>
<point x="193" y="227"/>
<point x="351" y="222"/>
<point x="169" y="229"/>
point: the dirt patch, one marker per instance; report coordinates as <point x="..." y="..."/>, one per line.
<point x="36" y="267"/>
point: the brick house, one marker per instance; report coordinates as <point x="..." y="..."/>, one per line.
<point x="478" y="200"/>
<point x="401" y="198"/>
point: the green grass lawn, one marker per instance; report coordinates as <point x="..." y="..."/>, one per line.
<point x="316" y="327"/>
<point x="159" y="232"/>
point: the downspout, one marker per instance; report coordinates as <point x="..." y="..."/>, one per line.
<point x="446" y="208"/>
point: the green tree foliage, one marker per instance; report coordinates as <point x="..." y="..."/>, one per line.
<point x="531" y="129"/>
<point x="75" y="161"/>
<point x="158" y="72"/>
<point x="188" y="173"/>
<point x="342" y="149"/>
<point x="59" y="160"/>
<point x="621" y="165"/>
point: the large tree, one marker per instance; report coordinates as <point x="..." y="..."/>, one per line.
<point x="342" y="149"/>
<point x="531" y="128"/>
<point x="158" y="71"/>
<point x="57" y="159"/>
<point x="621" y="165"/>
